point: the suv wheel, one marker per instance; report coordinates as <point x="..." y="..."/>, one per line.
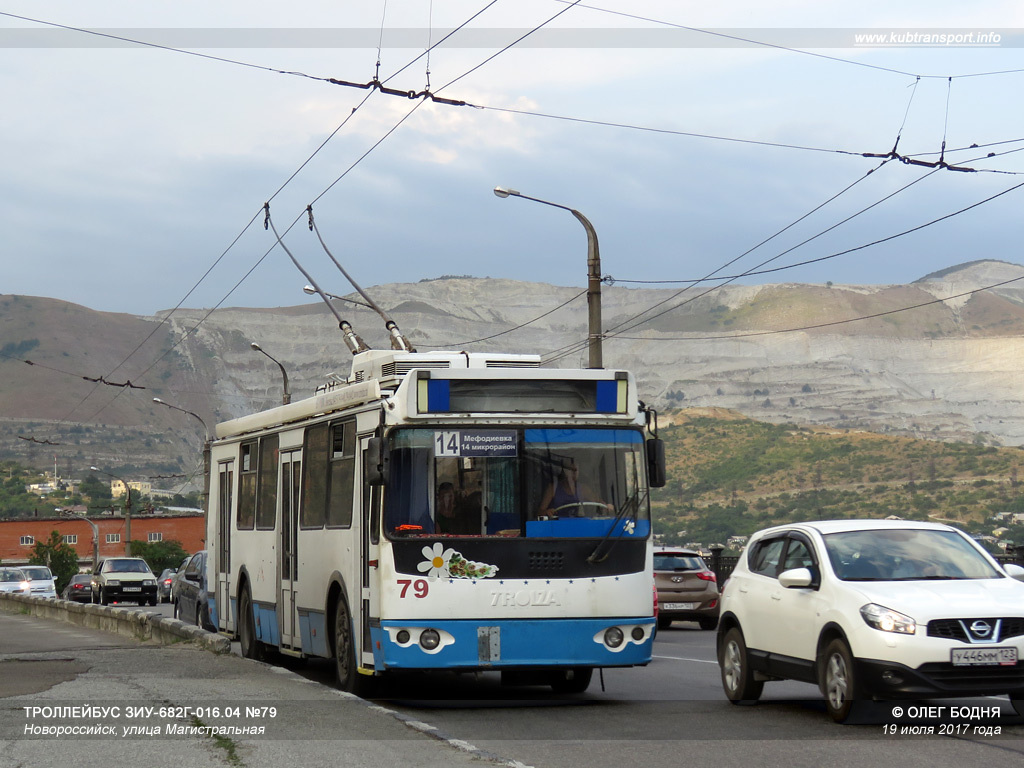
<point x="839" y="683"/>
<point x="1018" y="704"/>
<point x="737" y="676"/>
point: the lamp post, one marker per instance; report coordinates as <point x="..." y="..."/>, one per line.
<point x="127" y="509"/>
<point x="95" y="535"/>
<point x="206" y="429"/>
<point x="287" y="396"/>
<point x="593" y="274"/>
<point x="206" y="442"/>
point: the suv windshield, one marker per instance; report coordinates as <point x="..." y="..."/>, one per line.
<point x="577" y="482"/>
<point x="905" y="555"/>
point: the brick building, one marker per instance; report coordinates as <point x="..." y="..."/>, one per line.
<point x="18" y="536"/>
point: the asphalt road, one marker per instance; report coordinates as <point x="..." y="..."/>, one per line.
<point x="669" y="713"/>
<point x="673" y="712"/>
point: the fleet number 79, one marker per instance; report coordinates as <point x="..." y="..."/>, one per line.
<point x="419" y="587"/>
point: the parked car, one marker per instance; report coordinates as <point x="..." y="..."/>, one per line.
<point x="79" y="589"/>
<point x="14" y="580"/>
<point x="872" y="609"/>
<point x="123" y="579"/>
<point x="191" y="604"/>
<point x="687" y="589"/>
<point x="164" y="584"/>
<point x="177" y="579"/>
<point x="41" y="580"/>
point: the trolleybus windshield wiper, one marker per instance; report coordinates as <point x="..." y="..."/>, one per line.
<point x="600" y="553"/>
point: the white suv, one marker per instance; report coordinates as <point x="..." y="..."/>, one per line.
<point x="41" y="580"/>
<point x="872" y="609"/>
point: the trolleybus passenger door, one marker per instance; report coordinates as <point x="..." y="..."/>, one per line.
<point x="368" y="498"/>
<point x="222" y="554"/>
<point x="291" y="475"/>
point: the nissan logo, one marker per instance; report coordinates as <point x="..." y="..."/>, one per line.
<point x="981" y="628"/>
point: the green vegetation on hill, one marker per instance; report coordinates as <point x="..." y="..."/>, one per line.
<point x="93" y="492"/>
<point x="731" y="476"/>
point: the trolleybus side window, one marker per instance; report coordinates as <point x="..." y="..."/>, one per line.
<point x="343" y="469"/>
<point x="314" y="489"/>
<point x="266" y="506"/>
<point x="247" y="486"/>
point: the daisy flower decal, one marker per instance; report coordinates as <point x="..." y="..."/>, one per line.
<point x="435" y="563"/>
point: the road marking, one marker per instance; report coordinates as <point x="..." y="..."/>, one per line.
<point x="683" y="658"/>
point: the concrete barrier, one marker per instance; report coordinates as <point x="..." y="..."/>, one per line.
<point x="140" y="624"/>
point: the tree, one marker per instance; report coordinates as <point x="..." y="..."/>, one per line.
<point x="60" y="557"/>
<point x="159" y="554"/>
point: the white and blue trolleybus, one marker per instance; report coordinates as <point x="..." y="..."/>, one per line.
<point x="441" y="510"/>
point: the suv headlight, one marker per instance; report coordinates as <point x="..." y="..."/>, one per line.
<point x="880" y="617"/>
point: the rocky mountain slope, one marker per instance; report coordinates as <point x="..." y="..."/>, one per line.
<point x="838" y="355"/>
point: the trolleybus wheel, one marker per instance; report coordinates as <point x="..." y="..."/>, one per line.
<point x="348" y="677"/>
<point x="572" y="680"/>
<point x="246" y="630"/>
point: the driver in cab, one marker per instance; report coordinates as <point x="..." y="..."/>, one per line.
<point x="566" y="497"/>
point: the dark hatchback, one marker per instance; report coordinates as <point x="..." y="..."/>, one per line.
<point x="163" y="584"/>
<point x="79" y="589"/>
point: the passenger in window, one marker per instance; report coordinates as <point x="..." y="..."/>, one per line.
<point x="452" y="517"/>
<point x="567" y="497"/>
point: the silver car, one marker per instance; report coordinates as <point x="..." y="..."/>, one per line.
<point x="14" y="580"/>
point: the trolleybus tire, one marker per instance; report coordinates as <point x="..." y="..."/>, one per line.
<point x="246" y="628"/>
<point x="572" y="680"/>
<point x="348" y="677"/>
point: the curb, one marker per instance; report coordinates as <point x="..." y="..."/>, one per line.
<point x="138" y="623"/>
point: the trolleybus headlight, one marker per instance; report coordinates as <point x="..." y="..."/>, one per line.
<point x="429" y="639"/>
<point x="637" y="633"/>
<point x="613" y="637"/>
<point x="402" y="636"/>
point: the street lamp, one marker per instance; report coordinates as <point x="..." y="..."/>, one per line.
<point x="206" y="429"/>
<point x="593" y="274"/>
<point x="127" y="509"/>
<point x="287" y="396"/>
<point x="206" y="442"/>
<point x="95" y="535"/>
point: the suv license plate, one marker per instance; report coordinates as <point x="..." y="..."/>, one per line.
<point x="984" y="657"/>
<point x="132" y="589"/>
<point x="678" y="606"/>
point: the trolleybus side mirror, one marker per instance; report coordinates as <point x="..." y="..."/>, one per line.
<point x="375" y="462"/>
<point x="656" y="462"/>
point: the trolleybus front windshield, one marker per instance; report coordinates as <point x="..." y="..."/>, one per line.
<point x="552" y="482"/>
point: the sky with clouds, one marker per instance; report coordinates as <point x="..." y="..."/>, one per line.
<point x="129" y="171"/>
